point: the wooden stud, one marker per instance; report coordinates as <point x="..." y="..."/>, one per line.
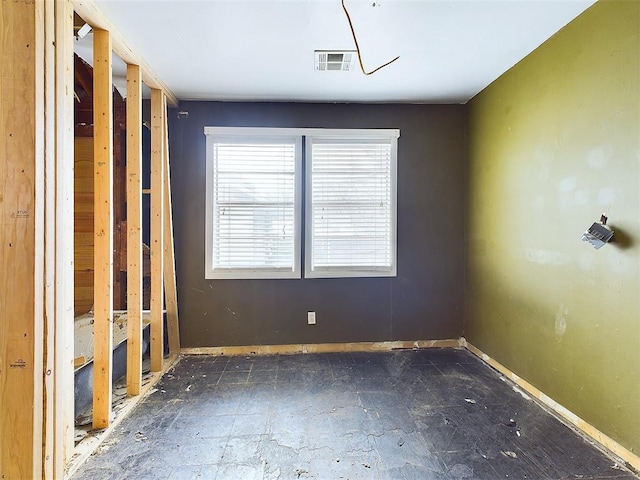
<point x="58" y="154"/>
<point x="134" y="230"/>
<point x="90" y="444"/>
<point x="58" y="103"/>
<point x="158" y="112"/>
<point x="21" y="238"/>
<point x="103" y="228"/>
<point x="92" y="14"/>
<point x="49" y="239"/>
<point x="170" y="290"/>
<point x="63" y="367"/>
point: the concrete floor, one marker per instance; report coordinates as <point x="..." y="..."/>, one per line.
<point x="425" y="414"/>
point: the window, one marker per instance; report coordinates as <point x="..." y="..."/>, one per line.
<point x="350" y="209"/>
<point x="254" y="202"/>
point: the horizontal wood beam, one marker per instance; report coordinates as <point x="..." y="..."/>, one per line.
<point x="322" y="347"/>
<point x="94" y="16"/>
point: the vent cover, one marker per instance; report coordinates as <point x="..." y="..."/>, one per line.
<point x="335" y="60"/>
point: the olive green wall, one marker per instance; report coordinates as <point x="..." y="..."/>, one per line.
<point x="554" y="143"/>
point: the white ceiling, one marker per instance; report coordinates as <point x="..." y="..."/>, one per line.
<point x="264" y="49"/>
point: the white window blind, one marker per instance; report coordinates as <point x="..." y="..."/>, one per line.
<point x="254" y="208"/>
<point x="351" y="208"/>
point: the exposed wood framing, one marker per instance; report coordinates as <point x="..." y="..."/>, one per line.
<point x="170" y="290"/>
<point x="569" y="417"/>
<point x="321" y="347"/>
<point x="134" y="230"/>
<point x="49" y="244"/>
<point x="36" y="247"/>
<point x="119" y="198"/>
<point x="90" y="444"/>
<point x="58" y="241"/>
<point x="84" y="195"/>
<point x="91" y="14"/>
<point x="83" y="76"/>
<point x="103" y="228"/>
<point x="22" y="235"/>
<point x="83" y="225"/>
<point x="62" y="368"/>
<point x="158" y="113"/>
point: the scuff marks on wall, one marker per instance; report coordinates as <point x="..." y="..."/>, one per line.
<point x="598" y="157"/>
<point x="561" y="321"/>
<point x="545" y="257"/>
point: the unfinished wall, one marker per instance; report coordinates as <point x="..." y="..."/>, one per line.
<point x="83" y="225"/>
<point x="425" y="301"/>
<point x="21" y="249"/>
<point x="554" y="143"/>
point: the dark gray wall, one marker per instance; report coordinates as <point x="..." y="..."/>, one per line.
<point x="425" y="300"/>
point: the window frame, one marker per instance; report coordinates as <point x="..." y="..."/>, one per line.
<point x="351" y="136"/>
<point x="303" y="138"/>
<point x="249" y="135"/>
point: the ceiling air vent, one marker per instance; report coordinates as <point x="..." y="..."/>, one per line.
<point x="339" y="61"/>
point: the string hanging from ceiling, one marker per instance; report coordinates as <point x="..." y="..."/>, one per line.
<point x="355" y="40"/>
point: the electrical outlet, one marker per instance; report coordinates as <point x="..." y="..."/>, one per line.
<point x="311" y="318"/>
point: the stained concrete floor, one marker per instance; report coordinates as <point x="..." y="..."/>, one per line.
<point x="424" y="414"/>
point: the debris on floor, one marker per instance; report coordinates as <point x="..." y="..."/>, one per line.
<point x="343" y="416"/>
<point x="83" y="421"/>
<point x="79" y="434"/>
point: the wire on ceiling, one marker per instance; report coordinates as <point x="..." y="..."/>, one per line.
<point x="355" y="40"/>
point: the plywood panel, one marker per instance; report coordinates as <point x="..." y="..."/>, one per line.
<point x="103" y="228"/>
<point x="83" y="224"/>
<point x="21" y="216"/>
